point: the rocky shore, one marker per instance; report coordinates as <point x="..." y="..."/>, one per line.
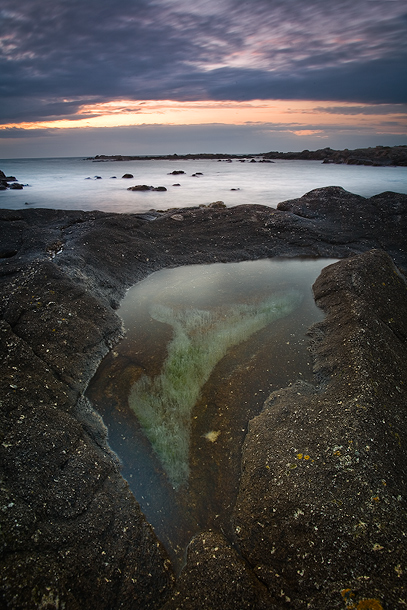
<point x="380" y="156"/>
<point x="320" y="519"/>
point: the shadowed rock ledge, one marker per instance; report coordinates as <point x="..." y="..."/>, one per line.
<point x="321" y="512"/>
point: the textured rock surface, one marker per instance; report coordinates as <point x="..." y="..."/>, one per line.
<point x="73" y="536"/>
<point x="322" y="503"/>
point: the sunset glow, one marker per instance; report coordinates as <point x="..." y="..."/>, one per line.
<point x="218" y="75"/>
<point x="298" y="116"/>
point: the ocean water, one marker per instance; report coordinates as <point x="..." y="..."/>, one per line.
<point x="71" y="183"/>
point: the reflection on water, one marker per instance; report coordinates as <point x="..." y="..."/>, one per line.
<point x="204" y="347"/>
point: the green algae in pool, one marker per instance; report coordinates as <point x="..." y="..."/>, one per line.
<point x="204" y="347"/>
<point x="201" y="338"/>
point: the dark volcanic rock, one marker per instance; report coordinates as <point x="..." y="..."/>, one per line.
<point x="144" y="187"/>
<point x="378" y="156"/>
<point x="72" y="534"/>
<point x="322" y="500"/>
<point x="5" y="180"/>
<point x="344" y="218"/>
<point x="140" y="187"/>
<point x="216" y="576"/>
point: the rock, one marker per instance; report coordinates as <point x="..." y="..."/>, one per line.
<point x="144" y="187"/>
<point x="5" y="180"/>
<point x="176" y="172"/>
<point x="225" y="580"/>
<point x="140" y="187"/>
<point x="176" y="184"/>
<point x="127" y="176"/>
<point x="217" y="204"/>
<point x="317" y="518"/>
<point x="378" y="156"/>
<point x="322" y="494"/>
<point x="72" y="534"/>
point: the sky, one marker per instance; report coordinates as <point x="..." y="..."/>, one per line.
<point x="87" y="77"/>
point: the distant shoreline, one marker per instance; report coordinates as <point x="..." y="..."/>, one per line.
<point x="380" y="156"/>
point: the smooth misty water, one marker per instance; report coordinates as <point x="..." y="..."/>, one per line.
<point x="204" y="347"/>
<point x="63" y="184"/>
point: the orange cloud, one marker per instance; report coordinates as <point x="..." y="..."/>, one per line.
<point x="296" y="116"/>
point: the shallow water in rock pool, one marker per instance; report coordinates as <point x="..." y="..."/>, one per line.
<point x="204" y="347"/>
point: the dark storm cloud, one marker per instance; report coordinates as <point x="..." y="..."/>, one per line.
<point x="56" y="56"/>
<point x="378" y="82"/>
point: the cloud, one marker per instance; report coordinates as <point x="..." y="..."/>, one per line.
<point x="377" y="82"/>
<point x="14" y="133"/>
<point x="399" y="109"/>
<point x="56" y="56"/>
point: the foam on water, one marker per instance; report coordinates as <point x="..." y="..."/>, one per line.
<point x="163" y="404"/>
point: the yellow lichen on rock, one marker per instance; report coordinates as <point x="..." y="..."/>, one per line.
<point x="363" y="604"/>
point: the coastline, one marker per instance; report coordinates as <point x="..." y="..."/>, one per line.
<point x="380" y="156"/>
<point x="82" y="539"/>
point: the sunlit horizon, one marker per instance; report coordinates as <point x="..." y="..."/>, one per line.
<point x="300" y="117"/>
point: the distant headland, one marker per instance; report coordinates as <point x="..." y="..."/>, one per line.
<point x="380" y="156"/>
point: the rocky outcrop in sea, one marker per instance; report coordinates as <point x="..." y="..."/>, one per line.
<point x="9" y="182"/>
<point x="380" y="156"/>
<point x="321" y="508"/>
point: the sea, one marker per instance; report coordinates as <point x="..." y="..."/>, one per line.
<point x="75" y="183"/>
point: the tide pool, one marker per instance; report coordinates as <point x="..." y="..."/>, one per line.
<point x="204" y="347"/>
